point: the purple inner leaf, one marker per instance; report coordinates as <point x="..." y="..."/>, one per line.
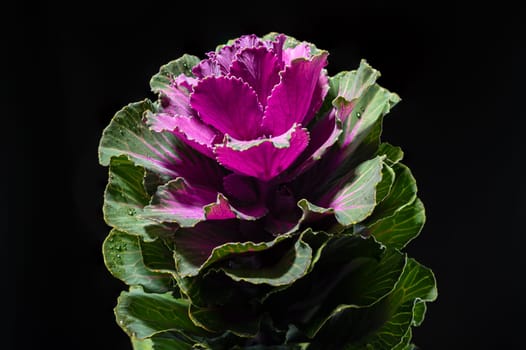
<point x="230" y="105"/>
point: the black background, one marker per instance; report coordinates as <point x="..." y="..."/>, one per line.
<point x="71" y="67"/>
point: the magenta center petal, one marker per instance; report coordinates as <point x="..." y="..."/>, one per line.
<point x="265" y="159"/>
<point x="259" y="68"/>
<point x="230" y="105"/>
<point x="291" y="99"/>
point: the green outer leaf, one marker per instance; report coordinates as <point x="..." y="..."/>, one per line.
<point x="405" y="342"/>
<point x="365" y="75"/>
<point x="128" y="135"/>
<point x="125" y="198"/>
<point x="352" y="85"/>
<point x="124" y="258"/>
<point x="369" y="283"/>
<point x="162" y="341"/>
<point x="291" y="266"/>
<point x="143" y="315"/>
<point x="351" y="271"/>
<point x="158" y="256"/>
<point x="169" y="71"/>
<point x="403" y="193"/>
<point x="190" y="262"/>
<point x="393" y="154"/>
<point x="372" y="105"/>
<point x="419" y="313"/>
<point x="416" y="284"/>
<point x="240" y="320"/>
<point x="317" y="241"/>
<point x="358" y="198"/>
<point x="384" y="186"/>
<point x="399" y="229"/>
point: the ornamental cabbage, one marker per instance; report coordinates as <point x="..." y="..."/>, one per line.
<point x="254" y="206"/>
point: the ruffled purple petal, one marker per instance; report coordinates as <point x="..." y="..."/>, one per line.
<point x="247" y="41"/>
<point x="259" y="68"/>
<point x="205" y="68"/>
<point x="230" y="105"/>
<point x="276" y="46"/>
<point x="266" y="158"/>
<point x="291" y="99"/>
<point x="225" y="56"/>
<point x="190" y="130"/>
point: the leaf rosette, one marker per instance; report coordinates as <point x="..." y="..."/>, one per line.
<point x="254" y="206"/>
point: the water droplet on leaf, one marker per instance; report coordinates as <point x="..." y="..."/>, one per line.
<point x="131" y="212"/>
<point x="121" y="322"/>
<point x="358" y="115"/>
<point x="121" y="131"/>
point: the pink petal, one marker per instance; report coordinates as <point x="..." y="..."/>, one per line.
<point x="291" y="99"/>
<point x="266" y="158"/>
<point x="229" y="105"/>
<point x="259" y="68"/>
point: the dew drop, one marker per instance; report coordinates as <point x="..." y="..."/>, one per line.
<point x="134" y="334"/>
<point x="131" y="211"/>
<point x="118" y="256"/>
<point x="358" y="115"/>
<point x="121" y="322"/>
<point x="121" y="131"/>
